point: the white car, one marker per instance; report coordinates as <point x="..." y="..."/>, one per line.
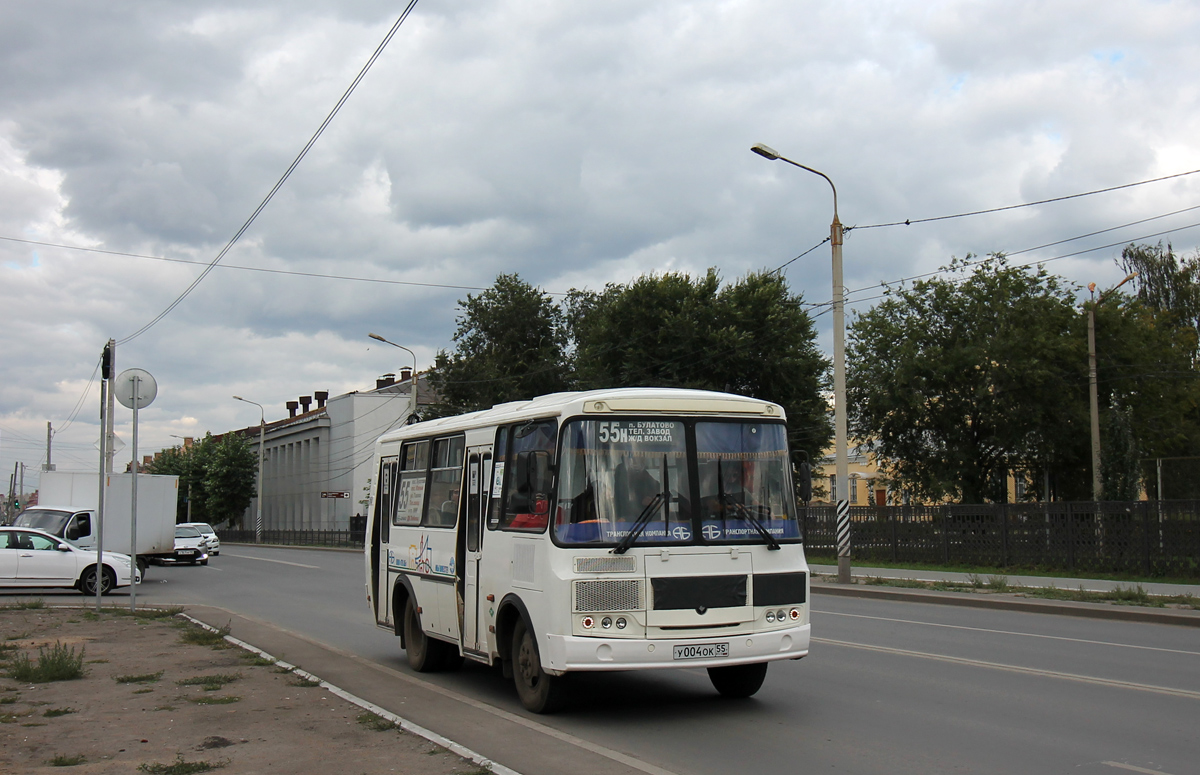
<point x="190" y="546"/>
<point x="35" y="558"/>
<point x="210" y="535"/>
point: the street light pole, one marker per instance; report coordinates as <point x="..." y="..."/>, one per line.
<point x="839" y="371"/>
<point x="413" y="411"/>
<point x="1093" y="388"/>
<point x="262" y="437"/>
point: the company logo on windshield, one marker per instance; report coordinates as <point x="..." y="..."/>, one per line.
<point x="681" y="533"/>
<point x="711" y="532"/>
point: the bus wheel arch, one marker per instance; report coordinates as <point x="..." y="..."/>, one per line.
<point x="510" y="611"/>
<point x="401" y="592"/>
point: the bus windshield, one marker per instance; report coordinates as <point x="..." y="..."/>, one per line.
<point x="619" y="478"/>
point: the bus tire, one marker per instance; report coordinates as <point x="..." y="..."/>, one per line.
<point x="426" y="654"/>
<point x="738" y="680"/>
<point x="539" y="692"/>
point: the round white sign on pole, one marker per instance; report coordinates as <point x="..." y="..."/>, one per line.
<point x="123" y="387"/>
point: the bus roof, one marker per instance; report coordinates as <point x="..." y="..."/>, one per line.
<point x="613" y="401"/>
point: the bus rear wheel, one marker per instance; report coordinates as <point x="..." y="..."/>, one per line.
<point x="426" y="654"/>
<point x="539" y="692"/>
<point x="738" y="680"/>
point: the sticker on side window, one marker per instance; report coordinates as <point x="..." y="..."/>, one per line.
<point x="498" y="480"/>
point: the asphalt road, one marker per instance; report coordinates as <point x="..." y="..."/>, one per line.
<point x="890" y="687"/>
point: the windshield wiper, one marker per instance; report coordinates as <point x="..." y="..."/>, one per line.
<point x="745" y="514"/>
<point x="639" y="524"/>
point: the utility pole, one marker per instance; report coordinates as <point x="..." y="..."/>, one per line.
<point x="110" y="410"/>
<point x="49" y="463"/>
<point x="1093" y="388"/>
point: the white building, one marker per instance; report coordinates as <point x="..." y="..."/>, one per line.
<point x="317" y="467"/>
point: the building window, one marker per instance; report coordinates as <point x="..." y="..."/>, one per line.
<point x="853" y="488"/>
<point x="833" y="487"/>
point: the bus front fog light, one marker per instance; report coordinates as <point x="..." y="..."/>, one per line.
<point x="621" y="623"/>
<point x="588" y="622"/>
<point x="770" y="616"/>
<point x="779" y="615"/>
<point x="606" y="622"/>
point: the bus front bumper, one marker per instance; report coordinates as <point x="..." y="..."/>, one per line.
<point x="569" y="653"/>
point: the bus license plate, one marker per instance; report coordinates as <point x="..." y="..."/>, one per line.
<point x="701" y="651"/>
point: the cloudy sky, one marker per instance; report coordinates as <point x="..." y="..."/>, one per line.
<point x="573" y="143"/>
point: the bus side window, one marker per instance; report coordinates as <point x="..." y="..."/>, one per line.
<point x="445" y="485"/>
<point x="527" y="488"/>
<point x="414" y="471"/>
<point x="499" y="465"/>
<point x="385" y="500"/>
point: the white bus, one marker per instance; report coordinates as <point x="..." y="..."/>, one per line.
<point x="624" y="529"/>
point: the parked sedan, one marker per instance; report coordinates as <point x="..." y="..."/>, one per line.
<point x="210" y="535"/>
<point x="190" y="546"/>
<point x="35" y="558"/>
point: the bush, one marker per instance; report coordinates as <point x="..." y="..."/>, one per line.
<point x="60" y="663"/>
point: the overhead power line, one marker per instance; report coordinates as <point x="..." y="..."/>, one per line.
<point x="911" y="221"/>
<point x="283" y="179"/>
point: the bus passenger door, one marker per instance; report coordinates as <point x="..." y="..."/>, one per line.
<point x="479" y="461"/>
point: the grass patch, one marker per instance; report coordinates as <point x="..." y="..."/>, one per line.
<point x="254" y="660"/>
<point x="1023" y="570"/>
<point x="200" y="636"/>
<point x="180" y="767"/>
<point x="25" y="605"/>
<point x="12" y="718"/>
<point x="63" y="760"/>
<point x="56" y="712"/>
<point x="306" y="683"/>
<point x="97" y="661"/>
<point x="165" y="707"/>
<point x="144" y="691"/>
<point x="228" y="699"/>
<point x="1134" y="595"/>
<point x="211" y="683"/>
<point x="142" y="678"/>
<point x="478" y="769"/>
<point x="149" y="614"/>
<point x="997" y="583"/>
<point x="59" y="663"/>
<point x="374" y="721"/>
<point x="8" y="700"/>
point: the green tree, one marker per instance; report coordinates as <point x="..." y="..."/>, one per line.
<point x="957" y="383"/>
<point x="1166" y="283"/>
<point x="751" y="337"/>
<point x="1121" y="462"/>
<point x="218" y="473"/>
<point x="509" y="345"/>
<point x="229" y="478"/>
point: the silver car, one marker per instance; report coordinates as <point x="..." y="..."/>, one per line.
<point x="210" y="535"/>
<point x="35" y="558"/>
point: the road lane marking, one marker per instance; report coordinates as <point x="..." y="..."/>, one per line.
<point x="1111" y="682"/>
<point x="1135" y="769"/>
<point x="1011" y="632"/>
<point x="281" y="562"/>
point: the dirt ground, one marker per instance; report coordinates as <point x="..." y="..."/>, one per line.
<point x="142" y="706"/>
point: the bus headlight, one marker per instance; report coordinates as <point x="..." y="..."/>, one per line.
<point x="588" y="622"/>
<point x="770" y="616"/>
<point x="621" y="623"/>
<point x="606" y="622"/>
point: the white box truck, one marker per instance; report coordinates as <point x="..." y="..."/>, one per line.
<point x="67" y="508"/>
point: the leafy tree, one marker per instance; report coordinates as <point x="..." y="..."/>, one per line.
<point x="1166" y="283"/>
<point x="751" y="337"/>
<point x="955" y="384"/>
<point x="509" y="345"/>
<point x="229" y="478"/>
<point x="219" y="473"/>
<point x="1121" y="462"/>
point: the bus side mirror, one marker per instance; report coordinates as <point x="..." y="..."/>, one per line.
<point x="804" y="483"/>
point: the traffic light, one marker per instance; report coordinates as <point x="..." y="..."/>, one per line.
<point x="106" y="363"/>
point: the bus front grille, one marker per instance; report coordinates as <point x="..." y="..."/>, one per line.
<point x="621" y="564"/>
<point x="608" y="595"/>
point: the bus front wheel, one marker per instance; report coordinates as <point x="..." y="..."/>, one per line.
<point x="738" y="680"/>
<point x="539" y="692"/>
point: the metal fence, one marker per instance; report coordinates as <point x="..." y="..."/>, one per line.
<point x="1154" y="538"/>
<point x="351" y="538"/>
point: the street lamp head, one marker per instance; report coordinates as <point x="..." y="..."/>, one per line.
<point x="377" y="337"/>
<point x="765" y="151"/>
<point x="238" y="398"/>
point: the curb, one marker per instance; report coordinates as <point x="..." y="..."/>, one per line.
<point x="403" y="723"/>
<point x="975" y="600"/>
